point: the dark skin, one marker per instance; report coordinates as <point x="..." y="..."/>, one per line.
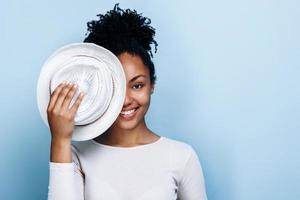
<point x="133" y="132"/>
<point x="61" y="121"/>
<point x="128" y="130"/>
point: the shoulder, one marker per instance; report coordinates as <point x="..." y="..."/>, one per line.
<point x="179" y="147"/>
<point x="80" y="149"/>
<point x="181" y="154"/>
<point x="180" y="151"/>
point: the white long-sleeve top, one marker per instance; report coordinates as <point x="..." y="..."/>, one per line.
<point x="164" y="170"/>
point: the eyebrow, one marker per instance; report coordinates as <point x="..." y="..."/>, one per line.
<point x="136" y="77"/>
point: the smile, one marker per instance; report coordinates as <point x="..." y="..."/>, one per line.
<point x="128" y="114"/>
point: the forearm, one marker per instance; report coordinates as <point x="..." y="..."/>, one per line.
<point x="65" y="183"/>
<point x="61" y="151"/>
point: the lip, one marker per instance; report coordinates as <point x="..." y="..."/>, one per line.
<point x="130" y="109"/>
<point x="130" y="116"/>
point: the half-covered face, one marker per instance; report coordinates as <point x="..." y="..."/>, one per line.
<point x="138" y="92"/>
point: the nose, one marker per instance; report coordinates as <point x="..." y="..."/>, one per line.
<point x="128" y="99"/>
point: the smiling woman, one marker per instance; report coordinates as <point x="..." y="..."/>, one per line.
<point x="139" y="89"/>
<point x="128" y="161"/>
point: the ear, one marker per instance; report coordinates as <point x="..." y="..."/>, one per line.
<point x="152" y="88"/>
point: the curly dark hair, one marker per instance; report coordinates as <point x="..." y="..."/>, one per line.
<point x="124" y="31"/>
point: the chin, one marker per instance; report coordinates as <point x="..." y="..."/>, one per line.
<point x="126" y="125"/>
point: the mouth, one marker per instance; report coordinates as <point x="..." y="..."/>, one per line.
<point x="128" y="114"/>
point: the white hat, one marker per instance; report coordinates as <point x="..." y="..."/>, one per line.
<point x="98" y="73"/>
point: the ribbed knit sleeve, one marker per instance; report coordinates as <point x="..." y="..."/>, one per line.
<point x="191" y="185"/>
<point x="66" y="180"/>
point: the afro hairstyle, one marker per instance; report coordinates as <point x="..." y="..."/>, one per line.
<point x="123" y="31"/>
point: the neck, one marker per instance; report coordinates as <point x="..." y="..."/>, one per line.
<point x="116" y="136"/>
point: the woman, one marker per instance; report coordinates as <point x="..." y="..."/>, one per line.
<point x="128" y="161"/>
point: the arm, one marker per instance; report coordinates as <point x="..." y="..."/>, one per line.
<point x="192" y="185"/>
<point x="66" y="180"/>
<point x="65" y="175"/>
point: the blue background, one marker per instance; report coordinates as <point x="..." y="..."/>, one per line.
<point x="228" y="84"/>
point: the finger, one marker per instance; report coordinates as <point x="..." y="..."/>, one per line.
<point x="54" y="95"/>
<point x="62" y="96"/>
<point x="77" y="103"/>
<point x="69" y="97"/>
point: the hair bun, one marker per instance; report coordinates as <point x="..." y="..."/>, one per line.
<point x="123" y="26"/>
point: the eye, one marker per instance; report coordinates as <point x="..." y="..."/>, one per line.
<point x="138" y="86"/>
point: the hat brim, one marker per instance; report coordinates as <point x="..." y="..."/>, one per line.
<point x="52" y="65"/>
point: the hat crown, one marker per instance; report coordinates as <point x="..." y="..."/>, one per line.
<point x="95" y="82"/>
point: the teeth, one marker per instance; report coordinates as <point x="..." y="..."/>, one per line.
<point x="127" y="112"/>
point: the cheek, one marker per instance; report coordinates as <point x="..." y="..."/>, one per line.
<point x="143" y="98"/>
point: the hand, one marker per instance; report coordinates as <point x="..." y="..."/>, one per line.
<point x="60" y="116"/>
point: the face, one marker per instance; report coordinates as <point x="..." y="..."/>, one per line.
<point x="138" y="92"/>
